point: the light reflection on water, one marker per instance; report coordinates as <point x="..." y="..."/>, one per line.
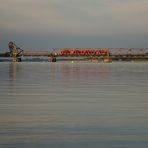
<point x="74" y="105"/>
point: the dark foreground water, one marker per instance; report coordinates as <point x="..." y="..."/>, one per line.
<point x="65" y="105"/>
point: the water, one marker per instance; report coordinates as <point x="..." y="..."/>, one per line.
<point x="79" y="105"/>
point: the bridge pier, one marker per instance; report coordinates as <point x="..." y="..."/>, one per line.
<point x="15" y="52"/>
<point x="51" y="59"/>
<point x="15" y="56"/>
<point x="107" y="58"/>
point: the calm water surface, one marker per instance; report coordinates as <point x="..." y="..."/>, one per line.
<point x="65" y="105"/>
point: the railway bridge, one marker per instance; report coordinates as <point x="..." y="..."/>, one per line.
<point x="105" y="54"/>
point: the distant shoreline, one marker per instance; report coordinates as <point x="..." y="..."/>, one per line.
<point x="78" y="60"/>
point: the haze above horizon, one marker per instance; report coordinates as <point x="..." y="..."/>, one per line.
<point x="46" y="24"/>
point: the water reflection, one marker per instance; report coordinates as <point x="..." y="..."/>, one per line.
<point x="80" y="71"/>
<point x="14" y="71"/>
<point x="73" y="105"/>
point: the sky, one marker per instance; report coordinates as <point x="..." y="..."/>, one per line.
<point x="46" y="24"/>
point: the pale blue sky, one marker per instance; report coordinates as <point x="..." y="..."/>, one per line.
<point x="43" y="24"/>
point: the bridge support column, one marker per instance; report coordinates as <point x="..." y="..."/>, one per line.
<point x="15" y="56"/>
<point x="107" y="58"/>
<point x="51" y="59"/>
<point x="15" y="52"/>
